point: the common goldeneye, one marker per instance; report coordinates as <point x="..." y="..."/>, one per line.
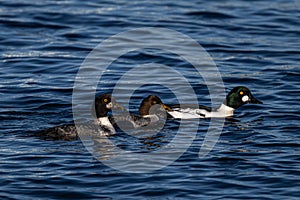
<point x="151" y="110"/>
<point x="237" y="97"/>
<point x="100" y="127"/>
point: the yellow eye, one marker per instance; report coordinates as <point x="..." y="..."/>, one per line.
<point x="105" y="100"/>
<point x="241" y="92"/>
<point x="154" y="102"/>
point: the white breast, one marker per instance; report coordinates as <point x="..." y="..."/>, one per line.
<point x="104" y="121"/>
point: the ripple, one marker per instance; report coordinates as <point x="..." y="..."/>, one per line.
<point x="255" y="44"/>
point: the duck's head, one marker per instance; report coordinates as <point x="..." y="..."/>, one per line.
<point x="104" y="103"/>
<point x="239" y="96"/>
<point x="150" y="101"/>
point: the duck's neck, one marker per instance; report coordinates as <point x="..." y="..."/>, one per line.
<point x="226" y="111"/>
<point x="104" y="121"/>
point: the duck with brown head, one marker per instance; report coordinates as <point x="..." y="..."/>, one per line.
<point x="151" y="110"/>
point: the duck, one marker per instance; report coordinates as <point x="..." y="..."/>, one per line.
<point x="100" y="127"/>
<point x="237" y="97"/>
<point x="151" y="110"/>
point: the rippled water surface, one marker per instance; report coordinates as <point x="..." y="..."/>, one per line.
<point x="253" y="43"/>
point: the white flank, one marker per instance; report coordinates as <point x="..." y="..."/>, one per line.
<point x="188" y="113"/>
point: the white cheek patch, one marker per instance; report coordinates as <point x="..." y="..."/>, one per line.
<point x="245" y="98"/>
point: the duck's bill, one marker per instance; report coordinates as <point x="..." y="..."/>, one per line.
<point x="167" y="108"/>
<point x="118" y="106"/>
<point x="255" y="101"/>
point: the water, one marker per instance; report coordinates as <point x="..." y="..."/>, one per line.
<point x="255" y="44"/>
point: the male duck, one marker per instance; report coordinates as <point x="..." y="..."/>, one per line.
<point x="237" y="97"/>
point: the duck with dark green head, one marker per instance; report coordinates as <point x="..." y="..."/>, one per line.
<point x="237" y="97"/>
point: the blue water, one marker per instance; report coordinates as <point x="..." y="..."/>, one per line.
<point x="253" y="43"/>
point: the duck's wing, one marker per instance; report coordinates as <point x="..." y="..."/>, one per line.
<point x="130" y="121"/>
<point x="189" y="111"/>
<point x="70" y="132"/>
<point x="61" y="132"/>
<point x="140" y="121"/>
<point x="190" y="106"/>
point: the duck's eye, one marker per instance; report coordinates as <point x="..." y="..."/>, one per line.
<point x="154" y="102"/>
<point x="105" y="100"/>
<point x="241" y="92"/>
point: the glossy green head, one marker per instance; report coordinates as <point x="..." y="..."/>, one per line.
<point x="239" y="96"/>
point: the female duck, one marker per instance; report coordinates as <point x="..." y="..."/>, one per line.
<point x="151" y="110"/>
<point x="101" y="127"/>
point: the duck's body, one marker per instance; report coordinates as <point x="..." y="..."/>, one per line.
<point x="100" y="127"/>
<point x="151" y="110"/>
<point x="132" y="120"/>
<point x="202" y="112"/>
<point x="236" y="97"/>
